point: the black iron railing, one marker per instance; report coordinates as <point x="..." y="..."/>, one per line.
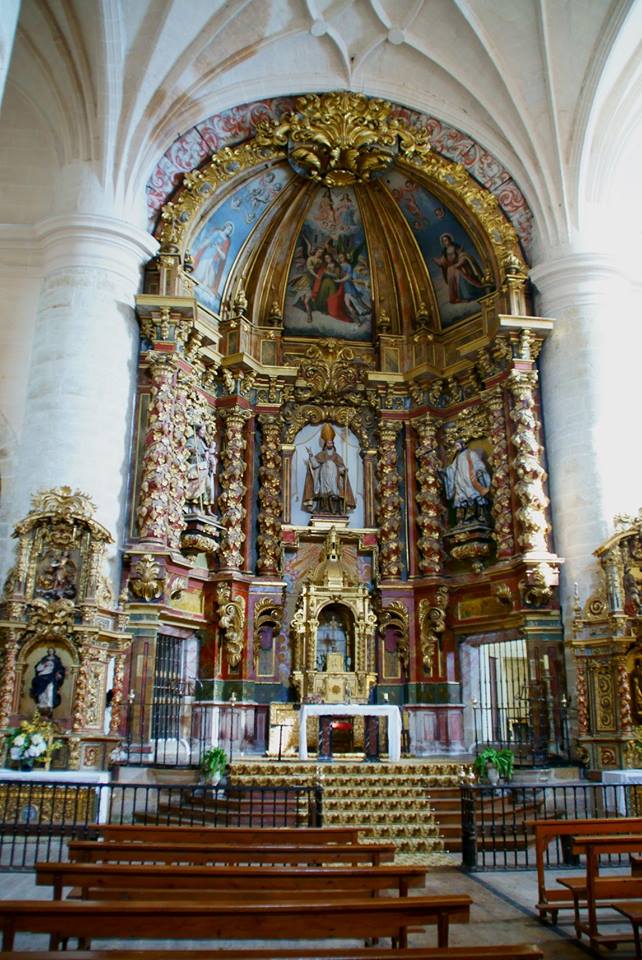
<point x="38" y="817"/>
<point x="495" y="830"/>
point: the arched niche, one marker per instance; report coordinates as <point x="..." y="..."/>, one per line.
<point x="309" y="444"/>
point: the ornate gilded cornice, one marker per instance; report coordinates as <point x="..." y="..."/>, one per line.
<point x="335" y="139"/>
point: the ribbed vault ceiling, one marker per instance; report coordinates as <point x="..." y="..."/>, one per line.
<point x="536" y="82"/>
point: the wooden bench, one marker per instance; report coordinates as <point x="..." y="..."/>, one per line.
<point x="361" y="918"/>
<point x="98" y="881"/>
<point x="520" y="951"/>
<point x="551" y="899"/>
<point x="292" y="836"/>
<point x="93" y="851"/>
<point x="501" y="952"/>
<point x="600" y="891"/>
<point x="633" y="913"/>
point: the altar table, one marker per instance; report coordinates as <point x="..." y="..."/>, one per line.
<point x="391" y="712"/>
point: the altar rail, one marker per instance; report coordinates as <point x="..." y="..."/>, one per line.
<point x="495" y="835"/>
<point x="38" y="817"/>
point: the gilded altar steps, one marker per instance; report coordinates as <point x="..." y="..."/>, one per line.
<point x="391" y="799"/>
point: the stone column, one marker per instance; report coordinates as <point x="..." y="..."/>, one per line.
<point x="78" y="409"/>
<point x="590" y="391"/>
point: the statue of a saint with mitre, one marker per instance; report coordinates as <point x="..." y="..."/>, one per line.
<point x="327" y="484"/>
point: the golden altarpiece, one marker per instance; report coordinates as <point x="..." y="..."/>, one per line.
<point x="338" y="487"/>
<point x="607" y="644"/>
<point x="63" y="638"/>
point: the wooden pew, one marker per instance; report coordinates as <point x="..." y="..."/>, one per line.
<point x="93" y="851"/>
<point x="519" y="951"/>
<point x="633" y="913"/>
<point x="600" y="891"/>
<point x="292" y="836"/>
<point x="197" y="920"/>
<point x="551" y="899"/>
<point x="98" y="881"/>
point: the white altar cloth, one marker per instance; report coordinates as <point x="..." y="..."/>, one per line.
<point x="390" y="711"/>
<point x="617" y="797"/>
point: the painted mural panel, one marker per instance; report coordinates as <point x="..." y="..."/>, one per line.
<point x="453" y="261"/>
<point x="329" y="289"/>
<point x="220" y="238"/>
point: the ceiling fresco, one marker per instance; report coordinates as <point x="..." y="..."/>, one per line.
<point x="333" y="255"/>
<point x="230" y="127"/>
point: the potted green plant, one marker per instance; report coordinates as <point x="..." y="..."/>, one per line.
<point x="492" y="764"/>
<point x="213" y="764"/>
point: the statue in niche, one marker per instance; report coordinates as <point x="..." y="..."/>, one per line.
<point x="201" y="471"/>
<point x="57" y="578"/>
<point x="467" y="484"/>
<point x="327" y="484"/>
<point x="332" y="639"/>
<point x="48" y="678"/>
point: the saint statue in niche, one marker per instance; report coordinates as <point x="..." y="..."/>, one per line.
<point x="48" y="678"/>
<point x="201" y="471"/>
<point x="57" y="578"/>
<point x="327" y="484"/>
<point x="467" y="484"/>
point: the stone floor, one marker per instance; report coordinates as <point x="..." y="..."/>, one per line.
<point x="502" y="913"/>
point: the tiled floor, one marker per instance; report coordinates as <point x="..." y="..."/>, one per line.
<point x="502" y="913"/>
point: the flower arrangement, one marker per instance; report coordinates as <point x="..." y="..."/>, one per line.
<point x="33" y="742"/>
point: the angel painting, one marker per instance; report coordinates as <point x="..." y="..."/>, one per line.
<point x="333" y="282"/>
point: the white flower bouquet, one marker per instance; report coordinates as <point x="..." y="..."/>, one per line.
<point x="25" y="746"/>
<point x="32" y="742"/>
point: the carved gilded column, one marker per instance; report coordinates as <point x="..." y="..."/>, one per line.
<point x="582" y="697"/>
<point x="270" y="512"/>
<point x="117" y="695"/>
<point x="389" y="501"/>
<point x="9" y="657"/>
<point x="82" y="687"/>
<point x="624" y="695"/>
<point x="428" y="497"/>
<point x="529" y="472"/>
<point x="156" y="520"/>
<point x="502" y="513"/>
<point x="232" y="498"/>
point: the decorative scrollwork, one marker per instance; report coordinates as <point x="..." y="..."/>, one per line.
<point x="331" y="371"/>
<point x="342" y="138"/>
<point x="231" y="618"/>
<point x="432" y="623"/>
<point x="147" y="578"/>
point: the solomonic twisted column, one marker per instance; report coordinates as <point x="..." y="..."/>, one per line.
<point x="531" y="514"/>
<point x="159" y="460"/>
<point x="428" y="497"/>
<point x="270" y="508"/>
<point x="232" y="497"/>
<point x="389" y="502"/>
<point x="502" y="514"/>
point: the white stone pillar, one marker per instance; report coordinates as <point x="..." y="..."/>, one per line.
<point x="9" y="10"/>
<point x="591" y="389"/>
<point x="79" y="404"/>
